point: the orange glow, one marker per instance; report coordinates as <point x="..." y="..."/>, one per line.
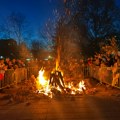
<point x="44" y="87"/>
<point x="79" y="88"/>
<point x="43" y="84"/>
<point x="41" y="78"/>
<point x="82" y="86"/>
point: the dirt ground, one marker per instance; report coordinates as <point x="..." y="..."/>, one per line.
<point x="26" y="91"/>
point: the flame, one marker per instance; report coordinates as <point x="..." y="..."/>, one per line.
<point x="82" y="85"/>
<point x="44" y="87"/>
<point x="41" y="78"/>
<point x="80" y="88"/>
<point x="58" y="53"/>
<point x="57" y="64"/>
<point x="43" y="84"/>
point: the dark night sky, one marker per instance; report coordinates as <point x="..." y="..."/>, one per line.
<point x="36" y="11"/>
<point x="118" y="2"/>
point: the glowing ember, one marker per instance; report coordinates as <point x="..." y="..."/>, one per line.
<point x="75" y="90"/>
<point x="44" y="87"/>
<point x="82" y="85"/>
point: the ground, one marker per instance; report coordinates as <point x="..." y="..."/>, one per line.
<point x="99" y="101"/>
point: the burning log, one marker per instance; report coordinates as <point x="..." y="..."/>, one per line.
<point x="83" y="90"/>
<point x="68" y="90"/>
<point x="91" y="91"/>
<point x="56" y="79"/>
<point x="55" y="91"/>
<point x="56" y="85"/>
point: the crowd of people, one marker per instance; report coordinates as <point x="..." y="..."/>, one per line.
<point x="106" y="60"/>
<point x="6" y="64"/>
<point x="99" y="60"/>
<point x="109" y="62"/>
<point x="11" y="64"/>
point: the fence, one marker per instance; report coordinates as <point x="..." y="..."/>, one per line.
<point x="13" y="76"/>
<point x="16" y="76"/>
<point x="103" y="74"/>
<point x="32" y="71"/>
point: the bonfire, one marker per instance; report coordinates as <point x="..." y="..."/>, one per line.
<point x="46" y="89"/>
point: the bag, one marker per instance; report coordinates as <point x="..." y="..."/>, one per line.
<point x="1" y="76"/>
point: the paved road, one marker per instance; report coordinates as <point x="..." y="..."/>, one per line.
<point x="84" y="107"/>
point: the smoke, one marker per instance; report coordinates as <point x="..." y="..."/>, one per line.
<point x="71" y="46"/>
<point x="70" y="52"/>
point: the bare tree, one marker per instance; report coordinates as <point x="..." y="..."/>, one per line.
<point x="99" y="17"/>
<point x="5" y="31"/>
<point x="94" y="20"/>
<point x="46" y="34"/>
<point x="16" y="26"/>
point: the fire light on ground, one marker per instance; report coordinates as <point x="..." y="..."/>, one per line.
<point x="44" y="87"/>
